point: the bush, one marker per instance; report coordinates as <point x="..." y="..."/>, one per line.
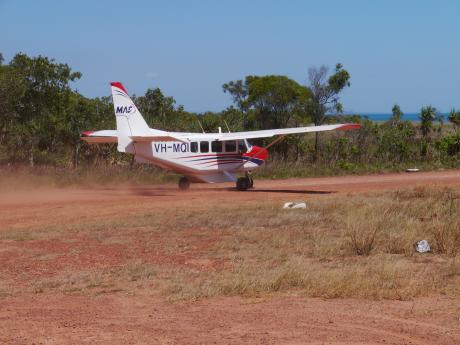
<point x="449" y="145"/>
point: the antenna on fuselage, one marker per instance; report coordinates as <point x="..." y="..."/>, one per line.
<point x="228" y="128"/>
<point x="201" y="126"/>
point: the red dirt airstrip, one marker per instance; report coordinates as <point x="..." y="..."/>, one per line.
<point x="28" y="317"/>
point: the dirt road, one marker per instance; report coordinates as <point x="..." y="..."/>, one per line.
<point x="143" y="317"/>
<point x="119" y="319"/>
<point x="28" y="207"/>
<point x="264" y="189"/>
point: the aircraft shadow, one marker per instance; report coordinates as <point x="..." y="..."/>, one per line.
<point x="166" y="191"/>
<point x="151" y="194"/>
<point x="287" y="191"/>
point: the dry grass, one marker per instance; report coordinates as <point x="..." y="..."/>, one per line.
<point x="340" y="246"/>
<point x="98" y="281"/>
<point x="378" y="277"/>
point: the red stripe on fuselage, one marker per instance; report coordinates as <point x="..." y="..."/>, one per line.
<point x="213" y="155"/>
<point x="228" y="162"/>
<point x="221" y="161"/>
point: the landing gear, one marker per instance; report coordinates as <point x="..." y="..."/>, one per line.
<point x="251" y="182"/>
<point x="245" y="183"/>
<point x="242" y="183"/>
<point x="184" y="183"/>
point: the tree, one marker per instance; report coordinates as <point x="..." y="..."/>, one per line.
<point x="427" y="116"/>
<point x="156" y="108"/>
<point x="12" y="89"/>
<point x="395" y="141"/>
<point x="45" y="98"/>
<point x="397" y="115"/>
<point x="239" y="92"/>
<point x="272" y="101"/>
<point x="454" y="118"/>
<point x="325" y="93"/>
<point x="275" y="100"/>
<point x="84" y="114"/>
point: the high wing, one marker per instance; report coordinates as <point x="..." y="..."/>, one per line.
<point x="286" y="131"/>
<point x="110" y="136"/>
<point x="266" y="133"/>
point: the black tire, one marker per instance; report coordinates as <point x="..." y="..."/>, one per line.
<point x="242" y="183"/>
<point x="184" y="183"/>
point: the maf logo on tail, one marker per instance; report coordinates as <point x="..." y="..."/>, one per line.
<point x="122" y="110"/>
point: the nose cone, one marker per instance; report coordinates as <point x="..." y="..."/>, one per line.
<point x="258" y="152"/>
<point x="256" y="155"/>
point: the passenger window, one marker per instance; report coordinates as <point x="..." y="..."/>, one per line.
<point x="216" y="146"/>
<point x="193" y="146"/>
<point x="241" y="146"/>
<point x="230" y="146"/>
<point x="204" y="146"/>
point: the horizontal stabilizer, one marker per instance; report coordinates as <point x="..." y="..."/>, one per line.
<point x="150" y="139"/>
<point x="111" y="136"/>
<point x="100" y="137"/>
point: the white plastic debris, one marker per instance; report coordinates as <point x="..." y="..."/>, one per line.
<point x="422" y="246"/>
<point x="292" y="205"/>
<point x="411" y="170"/>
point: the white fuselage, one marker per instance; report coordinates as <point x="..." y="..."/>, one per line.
<point x="205" y="161"/>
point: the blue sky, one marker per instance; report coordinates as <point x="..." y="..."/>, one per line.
<point x="405" y="51"/>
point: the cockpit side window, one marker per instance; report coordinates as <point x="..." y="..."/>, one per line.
<point x="230" y="146"/>
<point x="216" y="146"/>
<point x="204" y="146"/>
<point x="242" y="146"/>
<point x="193" y="146"/>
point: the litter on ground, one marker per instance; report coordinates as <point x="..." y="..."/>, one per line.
<point x="292" y="205"/>
<point x="422" y="246"/>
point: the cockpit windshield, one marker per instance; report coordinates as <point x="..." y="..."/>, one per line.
<point x="243" y="146"/>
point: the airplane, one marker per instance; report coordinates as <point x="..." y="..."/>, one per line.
<point x="199" y="157"/>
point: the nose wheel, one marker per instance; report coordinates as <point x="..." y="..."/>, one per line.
<point x="244" y="183"/>
<point x="184" y="183"/>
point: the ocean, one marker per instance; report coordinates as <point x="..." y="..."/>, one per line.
<point x="386" y="117"/>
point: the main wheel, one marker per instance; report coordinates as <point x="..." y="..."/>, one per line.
<point x="243" y="183"/>
<point x="184" y="183"/>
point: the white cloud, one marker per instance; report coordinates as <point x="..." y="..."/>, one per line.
<point x="151" y="75"/>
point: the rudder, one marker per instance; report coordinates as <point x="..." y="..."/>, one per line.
<point x="129" y="120"/>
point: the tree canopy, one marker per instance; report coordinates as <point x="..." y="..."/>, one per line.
<point x="42" y="117"/>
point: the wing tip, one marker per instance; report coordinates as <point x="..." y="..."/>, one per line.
<point x="349" y="126"/>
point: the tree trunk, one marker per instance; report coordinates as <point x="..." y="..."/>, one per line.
<point x="76" y="158"/>
<point x="31" y="157"/>
<point x="316" y="146"/>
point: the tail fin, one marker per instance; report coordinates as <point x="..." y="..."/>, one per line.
<point x="129" y="120"/>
